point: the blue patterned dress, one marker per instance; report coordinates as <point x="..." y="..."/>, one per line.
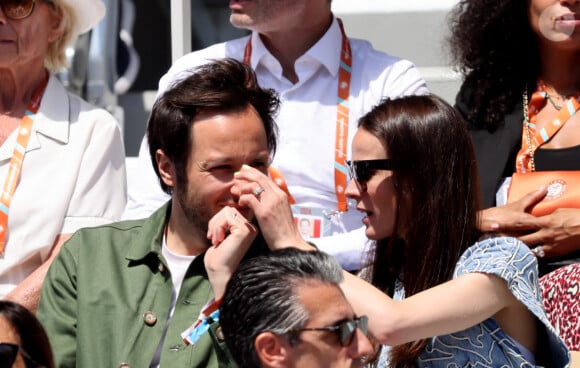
<point x="486" y="344"/>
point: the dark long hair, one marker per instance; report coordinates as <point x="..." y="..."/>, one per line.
<point x="493" y="45"/>
<point x="33" y="338"/>
<point x="437" y="192"/>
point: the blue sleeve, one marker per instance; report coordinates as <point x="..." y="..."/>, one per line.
<point x="513" y="261"/>
<point x="509" y="259"/>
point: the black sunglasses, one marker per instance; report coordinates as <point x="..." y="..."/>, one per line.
<point x="18" y="9"/>
<point x="362" y="171"/>
<point x="344" y="330"/>
<point x="8" y="353"/>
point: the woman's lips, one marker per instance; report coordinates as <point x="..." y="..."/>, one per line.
<point x="366" y="219"/>
<point x="569" y="19"/>
<point x="570" y="16"/>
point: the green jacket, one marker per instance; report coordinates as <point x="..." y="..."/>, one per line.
<point x="107" y="296"/>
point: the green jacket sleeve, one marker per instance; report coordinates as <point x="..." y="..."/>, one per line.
<point x="57" y="309"/>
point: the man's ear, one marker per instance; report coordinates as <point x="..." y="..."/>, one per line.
<point x="272" y="350"/>
<point x="166" y="168"/>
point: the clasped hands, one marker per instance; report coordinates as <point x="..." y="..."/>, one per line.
<point x="231" y="233"/>
<point x="557" y="234"/>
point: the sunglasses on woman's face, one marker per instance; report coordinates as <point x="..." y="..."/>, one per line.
<point x="9" y="352"/>
<point x="362" y="171"/>
<point x="17" y="9"/>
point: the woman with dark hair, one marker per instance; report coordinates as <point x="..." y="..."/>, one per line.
<point x="443" y="294"/>
<point x="457" y="297"/>
<point x="440" y="292"/>
<point x="521" y="92"/>
<point x="23" y="342"/>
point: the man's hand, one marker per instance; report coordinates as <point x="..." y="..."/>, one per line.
<point x="270" y="206"/>
<point x="557" y="234"/>
<point x="231" y="236"/>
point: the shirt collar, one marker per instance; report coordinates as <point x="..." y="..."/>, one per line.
<point x="326" y="51"/>
<point x="51" y="120"/>
<point x="53" y="117"/>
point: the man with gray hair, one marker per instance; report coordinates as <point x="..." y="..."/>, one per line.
<point x="286" y="309"/>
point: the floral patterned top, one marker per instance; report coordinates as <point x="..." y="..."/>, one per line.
<point x="486" y="344"/>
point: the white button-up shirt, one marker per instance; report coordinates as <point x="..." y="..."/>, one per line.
<point x="306" y="122"/>
<point x="73" y="176"/>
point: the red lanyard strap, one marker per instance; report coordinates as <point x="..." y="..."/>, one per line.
<point x="533" y="138"/>
<point x="17" y="159"/>
<point x="342" y="117"/>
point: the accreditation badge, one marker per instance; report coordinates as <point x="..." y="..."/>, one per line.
<point x="313" y="222"/>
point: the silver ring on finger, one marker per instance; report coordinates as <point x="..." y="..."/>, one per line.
<point x="258" y="191"/>
<point x="538" y="251"/>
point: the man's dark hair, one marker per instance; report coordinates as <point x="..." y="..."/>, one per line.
<point x="262" y="296"/>
<point x="223" y="86"/>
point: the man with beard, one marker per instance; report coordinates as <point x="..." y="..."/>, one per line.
<point x="122" y="294"/>
<point x="326" y="82"/>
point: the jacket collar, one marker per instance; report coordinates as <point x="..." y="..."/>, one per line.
<point x="149" y="238"/>
<point x="146" y="246"/>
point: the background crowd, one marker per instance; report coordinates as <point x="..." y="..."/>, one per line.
<point x="413" y="197"/>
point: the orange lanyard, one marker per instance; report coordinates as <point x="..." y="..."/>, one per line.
<point x="341" y="141"/>
<point x="541" y="136"/>
<point x="17" y="159"/>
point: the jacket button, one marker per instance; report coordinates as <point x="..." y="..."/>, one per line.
<point x="219" y="334"/>
<point x="161" y="267"/>
<point x="150" y="318"/>
<point x="124" y="365"/>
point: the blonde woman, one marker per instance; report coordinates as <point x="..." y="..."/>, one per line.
<point x="61" y="159"/>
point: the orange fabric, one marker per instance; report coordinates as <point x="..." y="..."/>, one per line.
<point x="563" y="186"/>
<point x="541" y="136"/>
<point x="563" y="189"/>
<point x="278" y="178"/>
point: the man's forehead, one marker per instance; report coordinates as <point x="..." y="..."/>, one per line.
<point x="226" y="122"/>
<point x="324" y="302"/>
<point x="237" y="130"/>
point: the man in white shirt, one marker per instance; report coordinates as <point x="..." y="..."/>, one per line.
<point x="299" y="49"/>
